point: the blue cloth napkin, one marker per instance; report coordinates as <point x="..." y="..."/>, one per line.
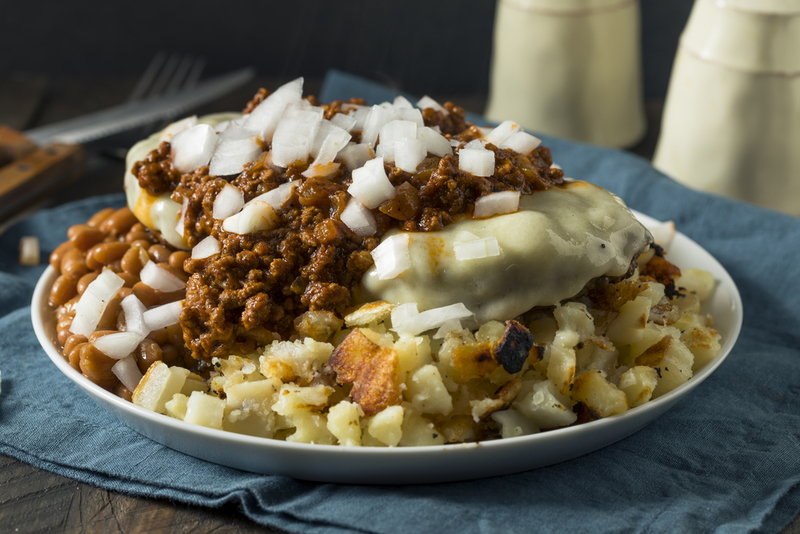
<point x="726" y="459"/>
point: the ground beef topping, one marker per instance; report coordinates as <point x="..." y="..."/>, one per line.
<point x="261" y="283"/>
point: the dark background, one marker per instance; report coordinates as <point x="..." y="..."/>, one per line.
<point x="422" y="46"/>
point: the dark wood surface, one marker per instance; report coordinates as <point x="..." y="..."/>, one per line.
<point x="34" y="500"/>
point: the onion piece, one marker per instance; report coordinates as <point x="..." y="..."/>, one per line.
<point x="496" y="204"/>
<point x="163" y="316"/>
<point x="355" y="155"/>
<point x="663" y="233"/>
<point x="128" y="372"/>
<point x="475" y="249"/>
<point x="256" y="216"/>
<point x="503" y="131"/>
<point x="263" y="120"/>
<point x="93" y="302"/>
<point x="412" y="115"/>
<point x="401" y="102"/>
<point x="193" y="147"/>
<point x="277" y="197"/>
<point x="393" y="131"/>
<point x="409" y="153"/>
<point x="447" y="327"/>
<point x="370" y="184"/>
<point x="521" y="143"/>
<point x="235" y="148"/>
<point x="476" y="161"/>
<point x="119" y="344"/>
<point x="344" y="121"/>
<point x="180" y="226"/>
<point x="228" y="202"/>
<point x="377" y="117"/>
<point x="359" y="218"/>
<point x="321" y="169"/>
<point x="434" y="142"/>
<point x="415" y="324"/>
<point x="333" y="139"/>
<point x="176" y="127"/>
<point x="392" y="257"/>
<point x="160" y="279"/>
<point x="427" y="102"/>
<point x="134" y="310"/>
<point x="294" y="136"/>
<point x="206" y="248"/>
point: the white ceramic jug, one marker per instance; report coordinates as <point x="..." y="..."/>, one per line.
<point x="569" y="68"/>
<point x="731" y="121"/>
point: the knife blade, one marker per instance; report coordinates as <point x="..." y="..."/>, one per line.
<point x="132" y="114"/>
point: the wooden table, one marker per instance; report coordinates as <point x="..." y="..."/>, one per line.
<point x="34" y="500"/>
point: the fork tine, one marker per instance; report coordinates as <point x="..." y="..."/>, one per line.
<point x="146" y="80"/>
<point x="195" y="73"/>
<point x="179" y="75"/>
<point x="165" y="76"/>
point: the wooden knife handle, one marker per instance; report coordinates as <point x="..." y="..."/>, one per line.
<point x="37" y="173"/>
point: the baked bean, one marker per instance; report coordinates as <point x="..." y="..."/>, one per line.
<point x="175" y="333"/>
<point x="138" y="227"/>
<point x="177" y="258"/>
<point x="134" y="260"/>
<point x="64" y="288"/>
<point x="147" y="353"/>
<point x="74" y="356"/>
<point x="132" y="236"/>
<point x="85" y="280"/>
<point x="96" y="366"/>
<point x="97" y="219"/>
<point x="180" y="273"/>
<point x="160" y="336"/>
<point x="109" y="318"/>
<point x="119" y="222"/>
<point x="143" y="243"/>
<point x="106" y="253"/>
<point x="62" y="330"/>
<point x="58" y="254"/>
<point x="152" y="297"/>
<point x="73" y="264"/>
<point x="97" y="334"/>
<point x="124" y="292"/>
<point x="73" y="341"/>
<point x="159" y="253"/>
<point x="123" y="392"/>
<point x="170" y="355"/>
<point x="83" y="237"/>
<point x="128" y="278"/>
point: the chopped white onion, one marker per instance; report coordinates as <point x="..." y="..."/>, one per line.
<point x="359" y="218"/>
<point x="163" y="316"/>
<point x="402" y="102"/>
<point x="503" y="131"/>
<point x="332" y="142"/>
<point x="359" y="113"/>
<point x="180" y="226"/>
<point x="134" y="310"/>
<point x="160" y="279"/>
<point x="392" y="257"/>
<point x="496" y="204"/>
<point x="412" y="115"/>
<point x="521" y="143"/>
<point x="355" y="155"/>
<point x="478" y="162"/>
<point x="476" y="144"/>
<point x="393" y="131"/>
<point x="128" y="372"/>
<point x="257" y="215"/>
<point x="278" y="196"/>
<point x="235" y="149"/>
<point x="119" y="344"/>
<point x="228" y="202"/>
<point x="447" y="327"/>
<point x="263" y="120"/>
<point x="318" y="170"/>
<point x="377" y="117"/>
<point x="370" y="184"/>
<point x="435" y="143"/>
<point x="176" y="127"/>
<point x="205" y="248"/>
<point x="93" y="302"/>
<point x="407" y="322"/>
<point x="476" y="248"/>
<point x="193" y="147"/>
<point x="295" y="134"/>
<point x="427" y="102"/>
<point x="663" y="233"/>
<point x="408" y="154"/>
<point x="344" y="121"/>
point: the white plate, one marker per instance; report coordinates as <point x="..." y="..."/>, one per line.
<point x="329" y="463"/>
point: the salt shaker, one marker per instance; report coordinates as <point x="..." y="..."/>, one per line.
<point x="731" y="121"/>
<point x="569" y="68"/>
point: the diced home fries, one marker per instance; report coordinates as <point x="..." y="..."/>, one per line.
<point x="370" y="386"/>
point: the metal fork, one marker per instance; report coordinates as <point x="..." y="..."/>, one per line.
<point x="164" y="75"/>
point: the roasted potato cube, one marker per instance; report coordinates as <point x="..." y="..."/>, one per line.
<point x="598" y="395"/>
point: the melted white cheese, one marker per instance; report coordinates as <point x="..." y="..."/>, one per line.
<point x="559" y="240"/>
<point x="160" y="212"/>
